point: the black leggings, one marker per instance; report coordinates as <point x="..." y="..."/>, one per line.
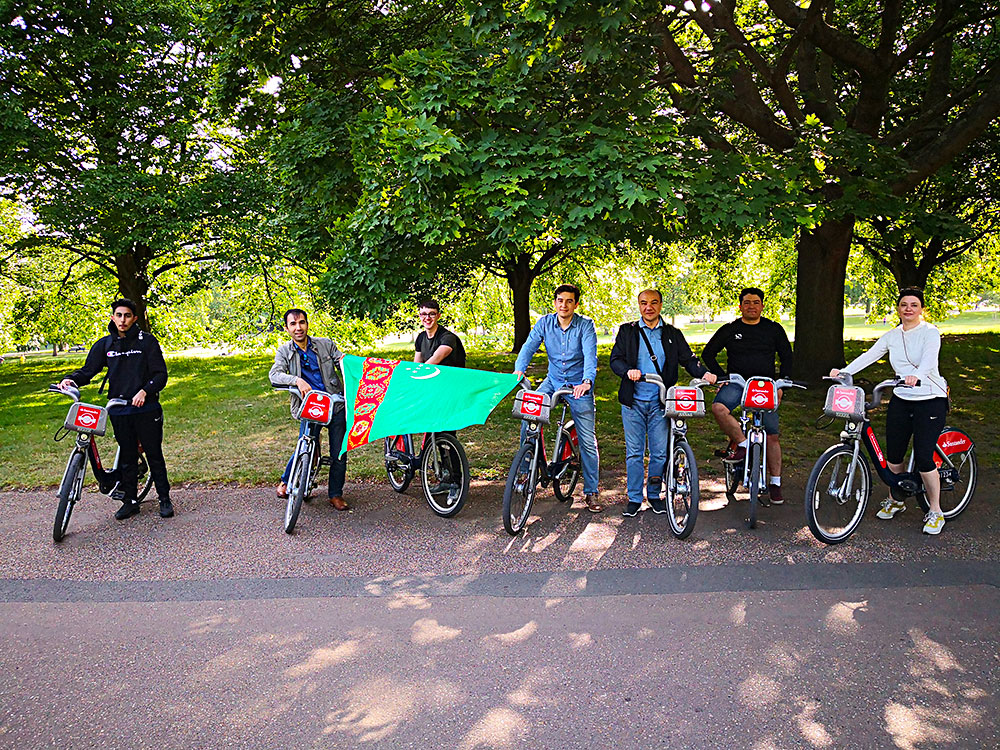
<point x="923" y="420"/>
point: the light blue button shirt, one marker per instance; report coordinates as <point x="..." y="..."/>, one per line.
<point x="572" y="352"/>
<point x="649" y="391"/>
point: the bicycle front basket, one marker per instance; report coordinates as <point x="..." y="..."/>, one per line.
<point x="532" y="406"/>
<point x="87" y="418"/>
<point x="317" y="406"/>
<point x="685" y="401"/>
<point x="845" y="402"/>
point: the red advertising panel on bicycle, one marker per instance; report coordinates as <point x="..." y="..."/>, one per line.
<point x="845" y="402"/>
<point x="685" y="401"/>
<point x="87" y="418"/>
<point x="317" y="406"/>
<point x="951" y="442"/>
<point x="760" y="395"/>
<point x="532" y="406"/>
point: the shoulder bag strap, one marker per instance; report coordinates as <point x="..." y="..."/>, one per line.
<point x="649" y="348"/>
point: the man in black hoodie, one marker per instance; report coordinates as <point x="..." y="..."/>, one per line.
<point x="137" y="374"/>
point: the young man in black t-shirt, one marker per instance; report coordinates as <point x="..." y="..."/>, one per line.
<point x="436" y="345"/>
<point x="751" y="343"/>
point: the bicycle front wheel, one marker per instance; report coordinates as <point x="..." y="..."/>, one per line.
<point x="399" y="470"/>
<point x="519" y="492"/>
<point x="753" y="484"/>
<point x="684" y="491"/>
<point x="69" y="493"/>
<point x="297" y="490"/>
<point x="444" y="474"/>
<point x="837" y="494"/>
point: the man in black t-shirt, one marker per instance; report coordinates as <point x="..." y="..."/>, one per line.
<point x="436" y="345"/>
<point x="751" y="343"/>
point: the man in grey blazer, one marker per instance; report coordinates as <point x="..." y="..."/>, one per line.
<point x="310" y="363"/>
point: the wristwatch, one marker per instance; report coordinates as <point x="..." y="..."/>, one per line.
<point x="588" y="381"/>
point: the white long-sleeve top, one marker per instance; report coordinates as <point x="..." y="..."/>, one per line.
<point x="913" y="352"/>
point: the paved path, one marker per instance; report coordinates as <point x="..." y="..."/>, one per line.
<point x="390" y="627"/>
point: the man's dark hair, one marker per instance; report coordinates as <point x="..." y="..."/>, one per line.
<point x="123" y="302"/>
<point x="571" y="288"/>
<point x="751" y="290"/>
<point x="296" y="312"/>
<point x="431" y="304"/>
<point x="911" y="291"/>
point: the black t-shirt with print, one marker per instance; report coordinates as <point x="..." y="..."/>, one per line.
<point x="443" y="337"/>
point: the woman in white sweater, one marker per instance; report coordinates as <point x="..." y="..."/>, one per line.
<point x="917" y="411"/>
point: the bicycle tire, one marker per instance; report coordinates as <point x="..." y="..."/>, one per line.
<point x="297" y="491"/>
<point x="519" y="491"/>
<point x="565" y="481"/>
<point x="832" y="519"/>
<point x="683" y="491"/>
<point x="955" y="496"/>
<point x="753" y="484"/>
<point x="399" y="478"/>
<point x="70" y="490"/>
<point x="439" y="490"/>
<point x="145" y="478"/>
<point x="733" y="478"/>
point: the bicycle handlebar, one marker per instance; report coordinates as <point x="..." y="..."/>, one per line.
<point x="658" y="382"/>
<point x="845" y="378"/>
<point x="74" y="393"/>
<point x="736" y="379"/>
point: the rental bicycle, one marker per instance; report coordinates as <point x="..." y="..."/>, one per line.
<point x="315" y="412"/>
<point x="681" y="472"/>
<point x="530" y="468"/>
<point x="760" y="396"/>
<point x="88" y="422"/>
<point x="840" y="484"/>
<point x="443" y="467"/>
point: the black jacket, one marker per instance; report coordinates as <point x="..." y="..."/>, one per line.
<point x="750" y="349"/>
<point x="134" y="362"/>
<point x="625" y="357"/>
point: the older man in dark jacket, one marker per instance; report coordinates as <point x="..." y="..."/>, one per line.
<point x="643" y="347"/>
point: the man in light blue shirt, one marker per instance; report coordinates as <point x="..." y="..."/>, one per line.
<point x="571" y="346"/>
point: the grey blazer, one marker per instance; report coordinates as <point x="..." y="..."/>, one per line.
<point x="287" y="367"/>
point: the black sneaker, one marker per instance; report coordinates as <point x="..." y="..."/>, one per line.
<point x="129" y="508"/>
<point x="658" y="506"/>
<point x="631" y="510"/>
<point x="166" y="508"/>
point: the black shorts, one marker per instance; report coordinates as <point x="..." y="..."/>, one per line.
<point x="921" y="420"/>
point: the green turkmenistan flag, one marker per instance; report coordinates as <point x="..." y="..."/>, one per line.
<point x="389" y="397"/>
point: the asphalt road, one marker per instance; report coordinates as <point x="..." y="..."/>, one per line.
<point x="390" y="627"/>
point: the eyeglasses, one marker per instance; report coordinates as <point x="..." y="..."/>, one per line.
<point x="428" y="314"/>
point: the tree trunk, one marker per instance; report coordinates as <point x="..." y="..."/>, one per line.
<point x="132" y="285"/>
<point x="819" y="297"/>
<point x="520" y="278"/>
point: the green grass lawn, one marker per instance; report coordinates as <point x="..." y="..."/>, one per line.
<point x="224" y="424"/>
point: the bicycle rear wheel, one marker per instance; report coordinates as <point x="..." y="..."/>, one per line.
<point x="145" y="478"/>
<point x="683" y="491"/>
<point x="297" y="489"/>
<point x="958" y="481"/>
<point x="398" y="468"/>
<point x="444" y="474"/>
<point x="519" y="492"/>
<point x="565" y="479"/>
<point x="69" y="492"/>
<point x="753" y="484"/>
<point x="836" y="500"/>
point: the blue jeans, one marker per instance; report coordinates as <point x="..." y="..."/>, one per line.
<point x="644" y="421"/>
<point x="585" y="418"/>
<point x="338" y="464"/>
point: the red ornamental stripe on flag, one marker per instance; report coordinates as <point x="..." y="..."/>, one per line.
<point x="375" y="377"/>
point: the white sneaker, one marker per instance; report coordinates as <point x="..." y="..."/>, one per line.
<point x="933" y="523"/>
<point x="890" y="508"/>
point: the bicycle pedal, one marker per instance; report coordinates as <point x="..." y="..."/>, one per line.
<point x="325" y="461"/>
<point x="117" y="494"/>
